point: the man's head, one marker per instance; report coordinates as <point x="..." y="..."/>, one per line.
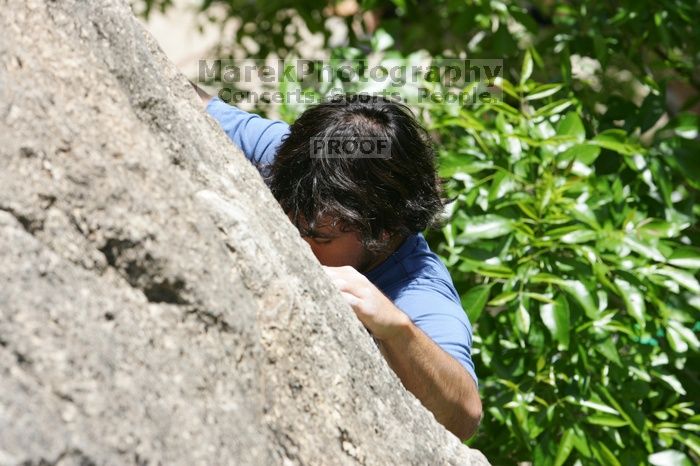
<point x="353" y="210"/>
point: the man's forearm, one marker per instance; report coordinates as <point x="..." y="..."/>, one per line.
<point x="435" y="378"/>
<point x="432" y="375"/>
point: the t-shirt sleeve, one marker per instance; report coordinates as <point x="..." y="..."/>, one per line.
<point x="443" y="320"/>
<point x="258" y="138"/>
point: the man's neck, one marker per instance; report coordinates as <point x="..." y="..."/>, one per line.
<point x="394" y="244"/>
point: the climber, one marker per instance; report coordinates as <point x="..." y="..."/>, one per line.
<point x="362" y="218"/>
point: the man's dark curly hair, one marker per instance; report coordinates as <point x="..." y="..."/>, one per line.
<point x="399" y="194"/>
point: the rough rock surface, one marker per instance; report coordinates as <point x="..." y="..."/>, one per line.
<point x="156" y="306"/>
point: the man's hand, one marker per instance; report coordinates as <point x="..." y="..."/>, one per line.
<point x="203" y="96"/>
<point x="375" y="311"/>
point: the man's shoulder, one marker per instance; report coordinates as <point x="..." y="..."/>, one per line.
<point x="258" y="138"/>
<point x="420" y="271"/>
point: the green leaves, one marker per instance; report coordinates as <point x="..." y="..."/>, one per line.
<point x="584" y="153"/>
<point x="503" y="298"/>
<point x="580" y="247"/>
<point x="522" y="318"/>
<point x="670" y="458"/>
<point x="556" y="318"/>
<point x="681" y="277"/>
<point x="484" y="227"/>
<point x="475" y="300"/>
<point x="644" y="249"/>
<point x="606" y="346"/>
<point x="604" y="455"/>
<point x="565" y="446"/>
<point x="545" y="90"/>
<point x="616" y="140"/>
<point x="599" y="407"/>
<point x="584" y="279"/>
<point x="607" y="420"/>
<point x="681" y="338"/>
<point x="526" y="70"/>
<point x="553" y="108"/>
<point x="634" y="301"/>
<point x="571" y="125"/>
<point x="688" y="258"/>
<point x="577" y="290"/>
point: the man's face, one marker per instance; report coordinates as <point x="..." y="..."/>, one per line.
<point x="334" y="247"/>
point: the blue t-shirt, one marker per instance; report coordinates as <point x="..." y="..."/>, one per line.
<point x="413" y="277"/>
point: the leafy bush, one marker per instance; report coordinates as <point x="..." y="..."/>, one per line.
<point x="569" y="251"/>
<point x="632" y="43"/>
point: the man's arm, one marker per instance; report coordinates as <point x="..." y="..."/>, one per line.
<point x="441" y="383"/>
<point x="435" y="378"/>
<point x="258" y="138"/>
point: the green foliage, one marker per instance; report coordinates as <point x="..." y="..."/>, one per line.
<point x="633" y="42"/>
<point x="571" y="252"/>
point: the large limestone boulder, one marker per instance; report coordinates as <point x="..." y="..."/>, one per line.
<point x="156" y="306"/>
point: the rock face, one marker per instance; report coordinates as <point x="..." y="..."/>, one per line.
<point x="156" y="306"/>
